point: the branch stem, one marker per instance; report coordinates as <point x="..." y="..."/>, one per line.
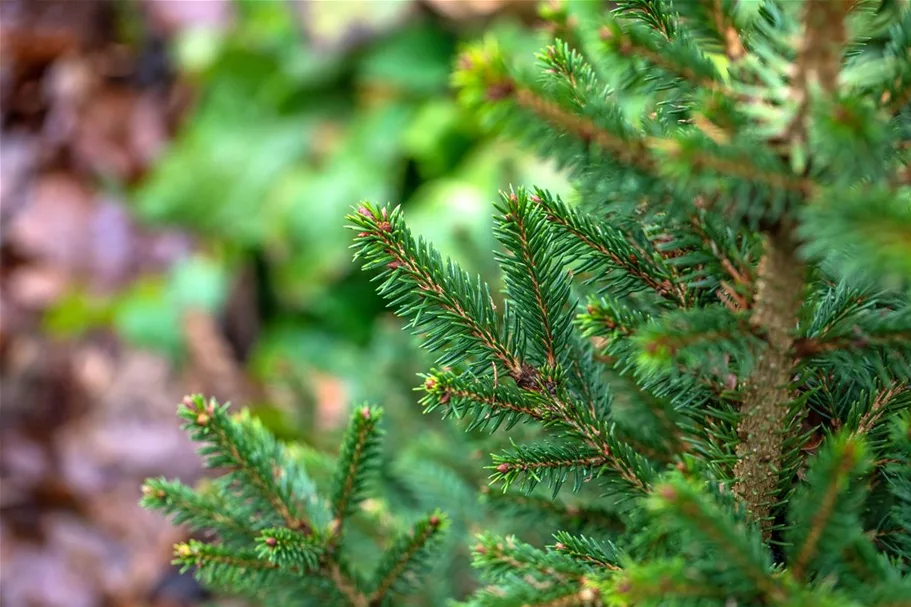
<point x="765" y="403"/>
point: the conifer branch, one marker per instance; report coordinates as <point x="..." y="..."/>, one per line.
<point x="655" y="14"/>
<point x="195" y="509"/>
<point x="879" y="406"/>
<point x="735" y="543"/>
<point x="290" y="550"/>
<point x="585" y="551"/>
<point x="638" y="153"/>
<point x="498" y="404"/>
<point x="633" y="152"/>
<point x="405" y="554"/>
<point x="209" y="422"/>
<point x="705" y="334"/>
<point x="827" y="508"/>
<point x="880" y="329"/>
<point x="733" y="45"/>
<point x="385" y="242"/>
<point x="505" y="467"/>
<point x="630" y="42"/>
<point x="611" y="245"/>
<point x="661" y="579"/>
<point x="529" y="273"/>
<point x="345" y="586"/>
<point x="583" y="596"/>
<point x="461" y="396"/>
<point x="845" y="463"/>
<point x="358" y="459"/>
<point x="739" y="167"/>
<point x="197" y="554"/>
<point x="509" y="556"/>
<point x="513" y="503"/>
<point x="741" y="274"/>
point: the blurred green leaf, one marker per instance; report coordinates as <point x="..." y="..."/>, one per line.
<point x="437" y="137"/>
<point x="197" y="283"/>
<point x="217" y="178"/>
<point x="417" y="59"/>
<point x="75" y="313"/>
<point x="143" y="318"/>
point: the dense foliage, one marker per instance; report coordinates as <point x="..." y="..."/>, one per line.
<point x="709" y="345"/>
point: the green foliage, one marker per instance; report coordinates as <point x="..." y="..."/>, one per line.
<point x="278" y="540"/>
<point x="725" y="420"/>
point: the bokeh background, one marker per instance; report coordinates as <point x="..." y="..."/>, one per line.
<point x="175" y="175"/>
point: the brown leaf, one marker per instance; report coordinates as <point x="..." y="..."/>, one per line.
<point x="54" y="225"/>
<point x="36" y="286"/>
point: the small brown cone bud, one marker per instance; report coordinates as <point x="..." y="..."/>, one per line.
<point x="364" y="211"/>
<point x="187" y="401"/>
<point x="503" y="468"/>
<point x="500" y="90"/>
<point x="559" y="546"/>
<point x="384" y="226"/>
<point x="202" y="419"/>
<point x="430" y="383"/>
<point x="148" y="491"/>
<point x="434" y="521"/>
<point x="271" y="541"/>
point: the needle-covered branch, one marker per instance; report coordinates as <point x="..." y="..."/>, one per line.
<point x="253" y="459"/>
<point x="265" y="555"/>
<point x="746" y="571"/>
<point x="606" y="253"/>
<point x="358" y="461"/>
<point x="438" y="297"/>
<point x="536" y="282"/>
<point x="407" y="556"/>
<point x="826" y="510"/>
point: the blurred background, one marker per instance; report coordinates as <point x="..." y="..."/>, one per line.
<point x="175" y="175"/>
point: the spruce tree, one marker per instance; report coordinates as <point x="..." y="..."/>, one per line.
<point x="710" y="339"/>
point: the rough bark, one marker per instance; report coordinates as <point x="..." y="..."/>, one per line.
<point x="765" y="405"/>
